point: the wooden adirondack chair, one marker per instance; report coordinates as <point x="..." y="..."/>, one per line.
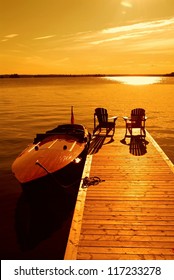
<point x="136" y="121"/>
<point x="101" y="121"/>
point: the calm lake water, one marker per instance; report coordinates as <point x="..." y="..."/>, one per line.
<point x="34" y="105"/>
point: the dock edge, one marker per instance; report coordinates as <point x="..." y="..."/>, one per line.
<point x="74" y="235"/>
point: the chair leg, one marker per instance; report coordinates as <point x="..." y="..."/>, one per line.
<point x="128" y="132"/>
<point x="125" y="133"/>
<point x="113" y="132"/>
<point x="142" y="133"/>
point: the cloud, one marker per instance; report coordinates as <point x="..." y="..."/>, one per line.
<point x="133" y="31"/>
<point x="45" y="37"/>
<point x="126" y="4"/>
<point x="139" y="26"/>
<point x="138" y="36"/>
<point x="146" y="29"/>
<point x="11" y="36"/>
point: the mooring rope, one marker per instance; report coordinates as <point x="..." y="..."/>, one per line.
<point x="88" y="181"/>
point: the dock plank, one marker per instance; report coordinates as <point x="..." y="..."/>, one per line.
<point x="129" y="215"/>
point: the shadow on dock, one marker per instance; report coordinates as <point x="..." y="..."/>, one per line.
<point x="96" y="144"/>
<point x="137" y="145"/>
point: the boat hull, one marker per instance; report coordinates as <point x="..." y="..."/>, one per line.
<point x="51" y="154"/>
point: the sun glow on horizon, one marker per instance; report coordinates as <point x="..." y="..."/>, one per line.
<point x="136" y="80"/>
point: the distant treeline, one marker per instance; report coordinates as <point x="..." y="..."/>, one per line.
<point x="48" y="75"/>
<point x="77" y="75"/>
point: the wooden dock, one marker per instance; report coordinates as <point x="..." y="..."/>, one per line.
<point x="129" y="216"/>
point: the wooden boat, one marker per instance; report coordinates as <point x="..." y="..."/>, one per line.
<point x="57" y="150"/>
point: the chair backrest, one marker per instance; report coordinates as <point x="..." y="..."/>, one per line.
<point x="101" y="114"/>
<point x="138" y="112"/>
<point x="138" y="117"/>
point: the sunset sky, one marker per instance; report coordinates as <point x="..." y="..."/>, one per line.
<point x="87" y="36"/>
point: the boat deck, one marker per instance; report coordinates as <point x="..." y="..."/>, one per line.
<point x="130" y="215"/>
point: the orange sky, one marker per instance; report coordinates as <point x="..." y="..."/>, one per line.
<point x="80" y="36"/>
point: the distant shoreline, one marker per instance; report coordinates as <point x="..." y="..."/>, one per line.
<point x="81" y="75"/>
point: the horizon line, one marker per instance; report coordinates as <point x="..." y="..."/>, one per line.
<point x="15" y="75"/>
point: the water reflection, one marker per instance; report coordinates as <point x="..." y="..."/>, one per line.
<point x="41" y="211"/>
<point x="136" y="80"/>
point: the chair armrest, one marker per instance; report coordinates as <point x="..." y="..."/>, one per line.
<point x="114" y="118"/>
<point x="126" y="119"/>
